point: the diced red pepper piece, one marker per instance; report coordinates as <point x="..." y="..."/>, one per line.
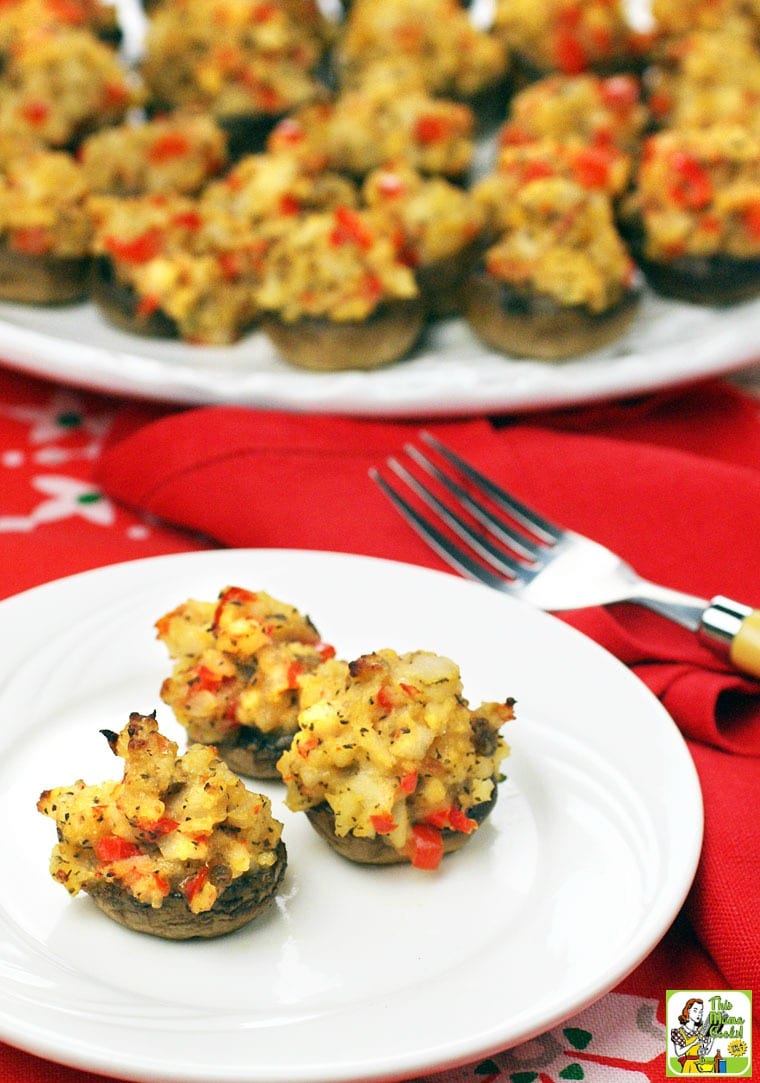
<point x="162" y="884"/>
<point x="68" y="11"/>
<point x="372" y="288"/>
<point x="289" y="205"/>
<point x="325" y="651"/>
<point x="113" y="848"/>
<point x="232" y="596"/>
<point x="408" y="783"/>
<point x="230" y="713"/>
<point x="512" y="135"/>
<point x="295" y="670"/>
<point x="350" y="229"/>
<point x="188" y="220"/>
<point x="751" y="218"/>
<point x="711" y="223"/>
<point x="230" y="265"/>
<point x="237" y="595"/>
<point x="304" y="747"/>
<point x="569" y="53"/>
<point x="35" y="112"/>
<point x="438" y="819"/>
<point x="168" y="146"/>
<point x="410" y="689"/>
<point x="32" y="240"/>
<point x="431" y="128"/>
<point x="147" y="305"/>
<point x="536" y="171"/>
<point x="452" y="817"/>
<point x="234" y="181"/>
<point x="156" y="829"/>
<point x="425" y="847"/>
<point x="460" y="821"/>
<point x="384" y="698"/>
<point x="691" y="187"/>
<point x="602" y="39"/>
<point x="140" y="249"/>
<point x="205" y="679"/>
<point x="383" y="823"/>
<point x="263" y="13"/>
<point x="405" y="252"/>
<point x="660" y="103"/>
<point x="619" y="92"/>
<point x="592" y="167"/>
<point x="114" y="95"/>
<point x="193" y="884"/>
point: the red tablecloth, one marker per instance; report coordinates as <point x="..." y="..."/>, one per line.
<point x="87" y="481"/>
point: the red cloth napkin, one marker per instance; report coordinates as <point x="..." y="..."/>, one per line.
<point x="620" y="474"/>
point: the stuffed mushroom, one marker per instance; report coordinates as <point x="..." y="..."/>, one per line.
<point x="693" y="219"/>
<point x="335" y="294"/>
<point x="239" y="663"/>
<point x="45" y="229"/>
<point x="390" y="764"/>
<point x="559" y="281"/>
<point x="178" y="848"/>
<point x="436" y="227"/>
<point x="247" y="65"/>
<point x="171" y="266"/>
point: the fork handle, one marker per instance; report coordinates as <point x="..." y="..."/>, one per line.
<point x="734" y="630"/>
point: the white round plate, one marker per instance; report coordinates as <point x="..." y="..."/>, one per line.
<point x="356" y="973"/>
<point x="450" y="373"/>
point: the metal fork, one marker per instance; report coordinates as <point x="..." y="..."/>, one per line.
<point x="486" y="534"/>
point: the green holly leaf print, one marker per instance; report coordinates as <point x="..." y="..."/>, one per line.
<point x="69" y="420"/>
<point x="523" y="1077"/>
<point x="487" y="1067"/>
<point x="578" y="1038"/>
<point x="573" y="1071"/>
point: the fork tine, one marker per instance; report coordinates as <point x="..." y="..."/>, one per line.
<point x="519" y="543"/>
<point x="497" y="558"/>
<point x="530" y="519"/>
<point x="453" y="555"/>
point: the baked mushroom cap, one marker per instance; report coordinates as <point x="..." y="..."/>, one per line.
<point x="329" y="345"/>
<point x="120" y="303"/>
<point x="177" y="848"/>
<point x="525" y="323"/>
<point x="717" y="280"/>
<point x="253" y="752"/>
<point x="390" y="763"/>
<point x="378" y="850"/>
<point x="42" y="279"/>
<point x="245" y="898"/>
<point x="710" y="280"/>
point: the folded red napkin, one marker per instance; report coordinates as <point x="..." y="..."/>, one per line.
<point x="255" y="478"/>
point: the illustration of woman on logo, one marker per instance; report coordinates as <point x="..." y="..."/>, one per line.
<point x="692" y="1040"/>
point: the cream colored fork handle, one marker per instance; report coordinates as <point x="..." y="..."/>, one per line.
<point x="735" y="629"/>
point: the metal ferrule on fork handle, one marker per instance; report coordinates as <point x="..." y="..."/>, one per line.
<point x="734" y="629"/>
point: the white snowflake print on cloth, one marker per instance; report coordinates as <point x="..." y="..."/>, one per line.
<point x="616" y="1040"/>
<point x="57" y="431"/>
<point x="66" y="497"/>
<point x="50" y="422"/>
